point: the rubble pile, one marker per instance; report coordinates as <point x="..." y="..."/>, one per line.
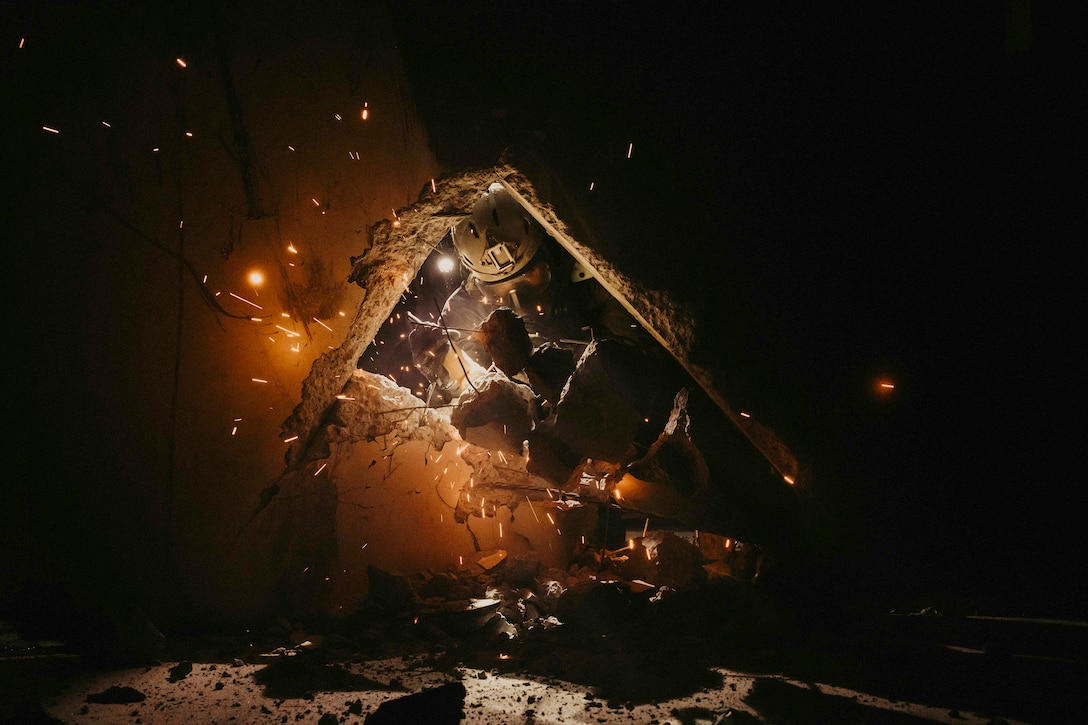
<point x="500" y="600"/>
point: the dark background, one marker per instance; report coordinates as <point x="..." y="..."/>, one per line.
<point x="839" y="192"/>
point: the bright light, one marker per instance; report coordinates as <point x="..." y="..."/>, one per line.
<point x="446" y="265"/>
<point x="256" y="278"/>
<point x="884" y="387"/>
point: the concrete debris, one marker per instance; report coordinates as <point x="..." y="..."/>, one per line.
<point x="549" y="457"/>
<point x="549" y="369"/>
<point x="180" y="671"/>
<point x="664" y="559"/>
<point x="503" y="335"/>
<point x="492" y="560"/>
<point x="606" y="400"/>
<point x="673" y="460"/>
<point x="498" y="415"/>
<point x="522" y="570"/>
<point x="364" y="411"/>
<point x="115" y="695"/>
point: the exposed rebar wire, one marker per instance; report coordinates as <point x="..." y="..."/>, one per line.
<point x="456" y="352"/>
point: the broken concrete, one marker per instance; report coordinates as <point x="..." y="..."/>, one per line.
<point x="497" y="414"/>
<point x="673" y="460"/>
<point x="549" y="369"/>
<point x="605" y="401"/>
<point x="503" y="335"/>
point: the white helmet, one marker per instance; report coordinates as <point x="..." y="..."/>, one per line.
<point x="499" y="239"/>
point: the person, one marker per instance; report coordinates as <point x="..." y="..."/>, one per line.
<point x="508" y="260"/>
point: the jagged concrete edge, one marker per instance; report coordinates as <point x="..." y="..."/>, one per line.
<point x="666" y="320"/>
<point x="401" y="247"/>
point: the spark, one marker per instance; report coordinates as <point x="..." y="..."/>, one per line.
<point x="745" y="415"/>
<point x="106" y="125"/>
<point x="291" y="439"/>
<point x="156" y="149"/>
<point x="364" y="546"/>
<point x="365" y="113"/>
<point x="320" y="469"/>
<point x="315" y="201"/>
<point x="788" y="479"/>
<point x="338" y="118"/>
<point x="189" y="134"/>
<point x="344" y="397"/>
<point x="533" y="510"/>
<point x="290" y="333"/>
<point x="291" y="248"/>
<point x="630" y="148"/>
<point x="50" y="130"/>
<point x="234" y="430"/>
<point x="259" y="380"/>
<point x="181" y="62"/>
<point x="243" y="299"/>
<point x="645" y="527"/>
<point x="21" y="41"/>
<point x="433" y="189"/>
<point x="550" y="518"/>
<point x="205" y="280"/>
<point x="887" y="386"/>
<point x="591" y="185"/>
<point x="290" y="147"/>
<point x="322" y="324"/>
<point x="286" y="314"/>
<point x="500" y="529"/>
<point x="461" y="560"/>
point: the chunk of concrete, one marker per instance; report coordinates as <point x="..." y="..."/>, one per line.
<point x="606" y="400"/>
<point x="498" y="414"/>
<point x="506" y="340"/>
<point x="674" y="460"/>
<point x="549" y="369"/>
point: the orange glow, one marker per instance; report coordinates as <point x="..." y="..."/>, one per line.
<point x="883" y="387"/>
<point x="256" y="278"/>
